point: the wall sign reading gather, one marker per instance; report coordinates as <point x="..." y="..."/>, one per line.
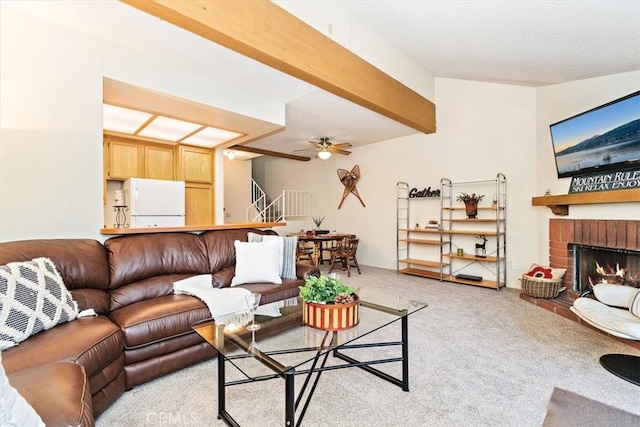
<point x="414" y="193"/>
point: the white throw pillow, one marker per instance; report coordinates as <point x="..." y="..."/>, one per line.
<point x="544" y="272"/>
<point x="256" y="263"/>
<point x="287" y="264"/>
<point x="634" y="307"/>
<point x="14" y="409"/>
<point x="615" y="295"/>
<point x="280" y="250"/>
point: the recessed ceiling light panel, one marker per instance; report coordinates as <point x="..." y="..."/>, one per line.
<point x="211" y="137"/>
<point x="168" y="129"/>
<point x="123" y="120"/>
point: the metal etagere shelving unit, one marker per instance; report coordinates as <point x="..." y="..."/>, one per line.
<point x="456" y="232"/>
<point x="420" y="249"/>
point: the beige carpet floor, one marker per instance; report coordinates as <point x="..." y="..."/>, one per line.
<point x="478" y="357"/>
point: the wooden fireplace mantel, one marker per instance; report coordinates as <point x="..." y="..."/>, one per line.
<point x="559" y="204"/>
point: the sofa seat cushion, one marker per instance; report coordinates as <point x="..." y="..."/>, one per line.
<point x="59" y="393"/>
<point x="272" y="293"/>
<point x="92" y="342"/>
<point x="615" y="321"/>
<point x="159" y="319"/>
<point x="147" y="289"/>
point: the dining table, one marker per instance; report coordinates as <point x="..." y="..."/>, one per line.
<point x="320" y="242"/>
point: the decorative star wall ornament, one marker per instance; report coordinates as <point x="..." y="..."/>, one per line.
<point x="349" y="179"/>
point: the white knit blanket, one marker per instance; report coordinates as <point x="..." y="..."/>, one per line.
<point x="227" y="305"/>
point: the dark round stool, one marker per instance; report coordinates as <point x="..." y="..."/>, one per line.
<point x="624" y="366"/>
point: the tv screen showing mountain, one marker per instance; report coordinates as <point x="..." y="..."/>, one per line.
<point x="602" y="139"/>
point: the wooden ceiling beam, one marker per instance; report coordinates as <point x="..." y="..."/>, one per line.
<point x="269" y="153"/>
<point x="265" y="32"/>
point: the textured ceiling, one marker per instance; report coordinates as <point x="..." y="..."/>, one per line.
<point x="530" y="43"/>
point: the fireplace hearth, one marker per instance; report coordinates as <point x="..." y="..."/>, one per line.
<point x="621" y="237"/>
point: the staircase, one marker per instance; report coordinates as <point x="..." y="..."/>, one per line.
<point x="288" y="205"/>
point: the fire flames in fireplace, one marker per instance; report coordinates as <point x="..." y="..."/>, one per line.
<point x="614" y="276"/>
<point x="602" y="265"/>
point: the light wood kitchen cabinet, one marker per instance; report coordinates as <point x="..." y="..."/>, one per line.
<point x="196" y="164"/>
<point x="134" y="159"/>
<point x="196" y="170"/>
<point x="159" y="162"/>
<point x="198" y="204"/>
<point x="124" y="159"/>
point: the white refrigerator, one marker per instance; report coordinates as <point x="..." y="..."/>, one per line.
<point x="154" y="202"/>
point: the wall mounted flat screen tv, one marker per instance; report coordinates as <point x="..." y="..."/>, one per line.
<point x="606" y="138"/>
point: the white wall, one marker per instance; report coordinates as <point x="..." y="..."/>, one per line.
<point x="51" y="167"/>
<point x="558" y="102"/>
<point x="483" y="129"/>
<point x="237" y="189"/>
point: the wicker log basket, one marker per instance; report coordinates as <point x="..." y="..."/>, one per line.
<point x="538" y="287"/>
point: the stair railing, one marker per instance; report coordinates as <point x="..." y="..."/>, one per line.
<point x="289" y="204"/>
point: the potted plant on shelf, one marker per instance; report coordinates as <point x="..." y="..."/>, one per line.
<point x="328" y="304"/>
<point x="470" y="203"/>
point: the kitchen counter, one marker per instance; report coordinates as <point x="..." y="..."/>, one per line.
<point x="236" y="225"/>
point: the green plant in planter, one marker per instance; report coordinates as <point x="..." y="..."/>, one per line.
<point x="465" y="197"/>
<point x="325" y="290"/>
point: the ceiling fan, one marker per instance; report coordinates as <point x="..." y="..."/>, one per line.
<point x="324" y="147"/>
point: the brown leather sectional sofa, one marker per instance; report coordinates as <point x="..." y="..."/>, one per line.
<point x="142" y="330"/>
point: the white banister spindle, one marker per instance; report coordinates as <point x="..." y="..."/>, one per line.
<point x="291" y="203"/>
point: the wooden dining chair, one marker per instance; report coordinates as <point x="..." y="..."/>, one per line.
<point x="345" y="253"/>
<point x="304" y="252"/>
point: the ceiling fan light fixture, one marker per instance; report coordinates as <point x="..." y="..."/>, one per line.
<point x="324" y="154"/>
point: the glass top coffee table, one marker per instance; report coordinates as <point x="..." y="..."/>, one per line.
<point x="287" y="348"/>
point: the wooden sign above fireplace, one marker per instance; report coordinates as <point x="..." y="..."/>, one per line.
<point x="606" y="181"/>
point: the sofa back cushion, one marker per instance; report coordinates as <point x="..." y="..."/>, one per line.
<point x="144" y="266"/>
<point x="81" y="262"/>
<point x="222" y="252"/>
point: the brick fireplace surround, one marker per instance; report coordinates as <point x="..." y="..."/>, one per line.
<point x="617" y="234"/>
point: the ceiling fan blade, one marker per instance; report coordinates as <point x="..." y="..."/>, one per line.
<point x="342" y="145"/>
<point x="304" y="149"/>
<point x="324" y="144"/>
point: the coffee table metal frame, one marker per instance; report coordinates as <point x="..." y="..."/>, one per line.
<point x="329" y="346"/>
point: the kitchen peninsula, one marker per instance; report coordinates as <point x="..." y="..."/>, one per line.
<point x="231" y="226"/>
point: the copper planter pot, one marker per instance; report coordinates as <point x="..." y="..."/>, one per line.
<point x="471" y="209"/>
<point x="331" y="317"/>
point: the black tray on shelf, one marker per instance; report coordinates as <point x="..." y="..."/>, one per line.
<point x="469" y="277"/>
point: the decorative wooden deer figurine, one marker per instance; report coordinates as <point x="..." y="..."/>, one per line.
<point x="481" y="248"/>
